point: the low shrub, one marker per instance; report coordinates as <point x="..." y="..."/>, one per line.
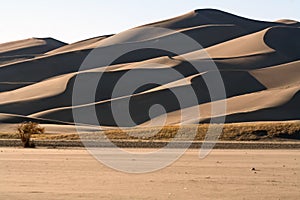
<point x="26" y="129"/>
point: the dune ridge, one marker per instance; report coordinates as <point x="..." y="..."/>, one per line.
<point x="258" y="61"/>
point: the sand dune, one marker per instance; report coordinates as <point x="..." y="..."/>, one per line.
<point x="288" y="21"/>
<point x="257" y="60"/>
<point x="279" y="76"/>
<point x="240" y="106"/>
<point x="79" y="46"/>
<point x="209" y="16"/>
<point x="257" y="50"/>
<point x="29" y="46"/>
<point x="13" y="118"/>
<point x="163" y="95"/>
<point x="26" y="49"/>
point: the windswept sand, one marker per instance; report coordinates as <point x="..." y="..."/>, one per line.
<point x="224" y="174"/>
<point x="258" y="62"/>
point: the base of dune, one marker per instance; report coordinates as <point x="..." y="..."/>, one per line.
<point x="224" y="174"/>
<point x="248" y="131"/>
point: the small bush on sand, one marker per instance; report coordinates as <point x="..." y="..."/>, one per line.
<point x="26" y="129"/>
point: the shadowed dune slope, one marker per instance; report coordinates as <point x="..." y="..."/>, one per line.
<point x="26" y="49"/>
<point x="257" y="61"/>
<point x="279" y="76"/>
<point x="29" y="46"/>
<point x="270" y="46"/>
<point x="78" y="46"/>
<point x="166" y="95"/>
<point x="266" y="102"/>
<point x="208" y="16"/>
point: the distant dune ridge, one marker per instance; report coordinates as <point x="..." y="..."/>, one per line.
<point x="259" y="62"/>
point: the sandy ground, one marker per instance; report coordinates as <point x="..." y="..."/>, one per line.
<point x="224" y="174"/>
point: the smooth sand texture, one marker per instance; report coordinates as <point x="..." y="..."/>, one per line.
<point x="79" y="46"/>
<point x="258" y="62"/>
<point x="29" y="46"/>
<point x="18" y="51"/>
<point x="224" y="174"/>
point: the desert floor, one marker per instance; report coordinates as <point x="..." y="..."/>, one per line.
<point x="224" y="174"/>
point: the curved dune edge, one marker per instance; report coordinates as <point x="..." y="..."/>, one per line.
<point x="235" y="105"/>
<point x="258" y="61"/>
<point x="29" y="46"/>
<point x="262" y="42"/>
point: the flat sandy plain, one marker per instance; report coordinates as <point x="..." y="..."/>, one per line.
<point x="224" y="174"/>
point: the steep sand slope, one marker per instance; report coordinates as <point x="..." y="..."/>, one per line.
<point x="209" y="16"/>
<point x="274" y="105"/>
<point x="29" y="46"/>
<point x="268" y="47"/>
<point x="78" y="46"/>
<point x="26" y="49"/>
<point x="278" y="102"/>
<point x="163" y="95"/>
<point x="196" y="18"/>
<point x="253" y="44"/>
<point x="207" y="33"/>
<point x="279" y="76"/>
<point x="12" y="118"/>
<point x="259" y="63"/>
<point x="282" y="94"/>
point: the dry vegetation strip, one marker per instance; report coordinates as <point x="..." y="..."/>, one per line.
<point x="234" y="132"/>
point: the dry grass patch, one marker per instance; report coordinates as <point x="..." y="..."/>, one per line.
<point x="230" y="132"/>
<point x="234" y="132"/>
